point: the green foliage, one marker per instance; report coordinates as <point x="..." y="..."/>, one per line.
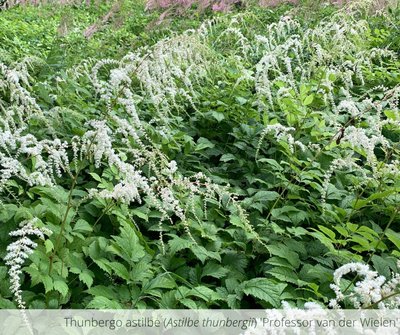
<point x="290" y="223"/>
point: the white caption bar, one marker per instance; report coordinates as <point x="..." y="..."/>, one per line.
<point x="199" y="322"/>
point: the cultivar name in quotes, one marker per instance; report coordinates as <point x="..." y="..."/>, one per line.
<point x="364" y="322"/>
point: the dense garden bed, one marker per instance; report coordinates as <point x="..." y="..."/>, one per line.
<point x="247" y="159"/>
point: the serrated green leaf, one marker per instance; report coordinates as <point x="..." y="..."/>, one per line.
<point x="236" y="221"/>
<point x="384" y="265"/>
<point x="61" y="287"/>
<point x="203" y="143"/>
<point x="279" y="261"/>
<point x="289" y="214"/>
<point x="82" y="226"/>
<point x="217" y="116"/>
<point x="328" y="232"/>
<point x="264" y="196"/>
<point x="95" y="176"/>
<point x="235" y="261"/>
<point x="212" y="269"/>
<point x="393" y="237"/>
<point x="202" y="253"/>
<point x="36" y="275"/>
<point x="120" y="270"/>
<point x="86" y="277"/>
<point x="140" y="214"/>
<point x="104" y="291"/>
<point x="127" y="244"/>
<point x="285" y="252"/>
<point x="57" y="193"/>
<point x="284" y="274"/>
<point x="271" y="162"/>
<point x="48" y="283"/>
<point x="189" y="303"/>
<point x="160" y="282"/>
<point x="48" y="246"/>
<point x="227" y="158"/>
<point x="233" y="301"/>
<point x="264" y="289"/>
<point x="360" y="203"/>
<point x="177" y="244"/>
<point x="99" y="302"/>
<point x="204" y="293"/>
<point x="141" y="271"/>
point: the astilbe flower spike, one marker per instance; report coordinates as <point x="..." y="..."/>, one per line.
<point x="17" y="253"/>
<point x="372" y="290"/>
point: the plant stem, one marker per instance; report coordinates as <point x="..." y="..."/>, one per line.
<point x="63" y="222"/>
<point x="383" y="299"/>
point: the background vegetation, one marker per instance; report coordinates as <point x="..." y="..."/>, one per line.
<point x="201" y="159"/>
